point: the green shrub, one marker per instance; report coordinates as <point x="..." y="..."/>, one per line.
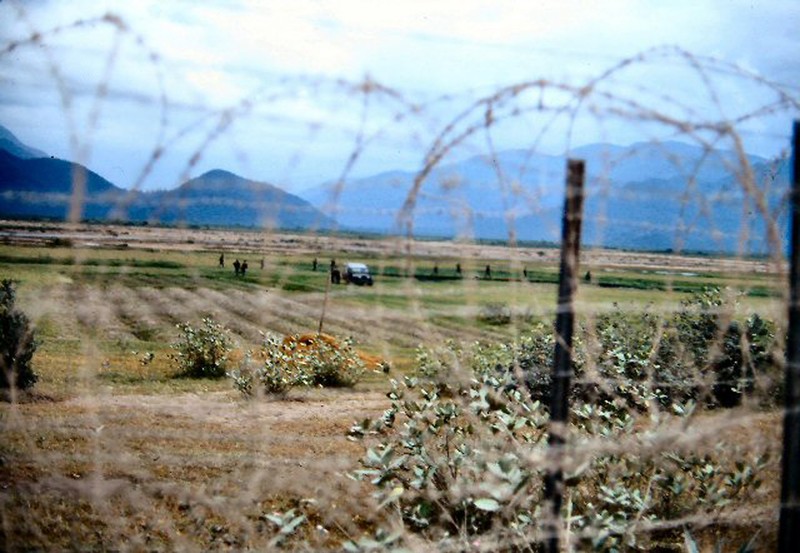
<point x="17" y="342"/>
<point x="711" y="357"/>
<point x="308" y="360"/>
<point x="275" y="376"/>
<point x="334" y="365"/>
<point x="460" y="456"/>
<point x="202" y="352"/>
<point x="635" y="360"/>
<point x="466" y="464"/>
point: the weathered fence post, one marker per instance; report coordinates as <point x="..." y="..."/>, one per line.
<point x="789" y="532"/>
<point x="562" y="359"/>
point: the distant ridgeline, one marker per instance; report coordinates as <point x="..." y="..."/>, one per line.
<point x="33" y="185"/>
<point x="647" y="196"/>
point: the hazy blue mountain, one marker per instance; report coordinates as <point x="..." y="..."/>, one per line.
<point x="9" y="143"/>
<point x="46" y="188"/>
<point x="646" y="196"/>
<point x="666" y="214"/>
<point x="221" y="198"/>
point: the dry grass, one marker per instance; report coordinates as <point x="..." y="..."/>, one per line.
<point x="194" y="471"/>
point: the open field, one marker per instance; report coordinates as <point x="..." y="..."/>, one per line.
<point x="111" y="451"/>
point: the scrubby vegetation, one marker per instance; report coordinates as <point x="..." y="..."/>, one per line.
<point x="202" y="352"/>
<point x="124" y="455"/>
<point x="699" y="353"/>
<point x="462" y="454"/>
<point x="467" y="465"/>
<point x="17" y="342"/>
<point x="300" y="360"/>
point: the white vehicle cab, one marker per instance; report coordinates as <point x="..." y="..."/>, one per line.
<point x="357" y="273"/>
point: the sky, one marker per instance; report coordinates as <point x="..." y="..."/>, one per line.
<point x="296" y="93"/>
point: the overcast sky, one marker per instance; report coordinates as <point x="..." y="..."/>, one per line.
<point x="270" y="90"/>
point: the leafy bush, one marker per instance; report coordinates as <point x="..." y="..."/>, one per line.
<point x="307" y="360"/>
<point x="636" y="360"/>
<point x="461" y="455"/>
<point x="719" y="359"/>
<point x="17" y="342"/>
<point x="333" y="364"/>
<point x="202" y="352"/>
<point x="466" y="464"/>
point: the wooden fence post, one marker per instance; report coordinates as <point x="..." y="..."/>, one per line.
<point x="789" y="532"/>
<point x="562" y="359"/>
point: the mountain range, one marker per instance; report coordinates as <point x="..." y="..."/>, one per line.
<point x="33" y="185"/>
<point x="646" y="196"/>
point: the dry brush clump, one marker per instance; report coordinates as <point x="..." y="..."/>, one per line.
<point x="297" y="361"/>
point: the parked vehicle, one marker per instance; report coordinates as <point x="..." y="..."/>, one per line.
<point x="357" y="273"/>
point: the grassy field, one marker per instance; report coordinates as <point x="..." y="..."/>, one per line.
<point x="112" y="451"/>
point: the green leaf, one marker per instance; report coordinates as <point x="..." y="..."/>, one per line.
<point x="487" y="504"/>
<point x="688" y="540"/>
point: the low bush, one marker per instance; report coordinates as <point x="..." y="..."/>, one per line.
<point x="202" y="352"/>
<point x="467" y="464"/>
<point x="300" y="360"/>
<point x="17" y="342"/>
<point x="495" y="314"/>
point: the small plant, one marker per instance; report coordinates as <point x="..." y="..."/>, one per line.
<point x="287" y="523"/>
<point x="332" y="364"/>
<point x="275" y="376"/>
<point x="17" y="342"/>
<point x="202" y="352"/>
<point x="495" y="314"/>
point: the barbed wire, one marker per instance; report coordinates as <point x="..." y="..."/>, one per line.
<point x="444" y="130"/>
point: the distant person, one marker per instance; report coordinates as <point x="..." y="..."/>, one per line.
<point x="314" y="265"/>
<point x="222" y="260"/>
<point x="435" y="270"/>
<point x="336" y="275"/>
<point x="525" y="272"/>
<point x="487" y="273"/>
<point x="236" y="267"/>
<point x="588" y="276"/>
<point x="244" y="267"/>
<point x="262" y="263"/>
<point x="458" y="268"/>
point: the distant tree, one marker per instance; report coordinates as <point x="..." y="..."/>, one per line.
<point x="17" y="342"/>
